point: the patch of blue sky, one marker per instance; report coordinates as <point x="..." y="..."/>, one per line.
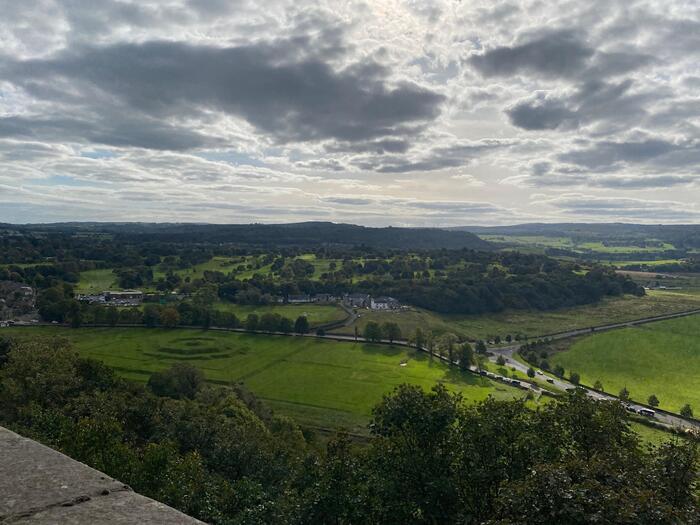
<point x="60" y="180"/>
<point x="232" y="157"/>
<point x="98" y="154"/>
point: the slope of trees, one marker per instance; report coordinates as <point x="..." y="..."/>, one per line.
<point x="220" y="455"/>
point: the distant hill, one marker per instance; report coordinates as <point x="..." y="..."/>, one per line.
<point x="295" y="234"/>
<point x="681" y="236"/>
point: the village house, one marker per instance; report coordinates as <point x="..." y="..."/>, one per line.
<point x="384" y="303"/>
<point x="357" y="300"/>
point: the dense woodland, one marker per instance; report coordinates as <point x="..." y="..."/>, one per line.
<point x="453" y="281"/>
<point x="220" y="455"/>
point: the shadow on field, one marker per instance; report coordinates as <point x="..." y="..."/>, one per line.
<point x="385" y="350"/>
<point x="456" y="376"/>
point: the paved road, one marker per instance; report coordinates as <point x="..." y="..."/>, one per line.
<point x="666" y="418"/>
<point x="612" y="326"/>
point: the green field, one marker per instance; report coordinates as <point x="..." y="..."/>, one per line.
<point x="215" y="264"/>
<point x="320" y="383"/>
<point x="660" y="358"/>
<point x="317" y="314"/>
<point x="95" y="281"/>
<point x="539" y="243"/>
<point x="536" y="323"/>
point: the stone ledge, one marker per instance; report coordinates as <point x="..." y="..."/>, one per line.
<point x="40" y="485"/>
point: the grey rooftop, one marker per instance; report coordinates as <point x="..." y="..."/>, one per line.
<point x="39" y="485"/>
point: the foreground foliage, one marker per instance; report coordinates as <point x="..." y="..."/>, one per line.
<point x="218" y="454"/>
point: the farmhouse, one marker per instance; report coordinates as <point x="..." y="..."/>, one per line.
<point x="357" y="300"/>
<point x="384" y="303"/>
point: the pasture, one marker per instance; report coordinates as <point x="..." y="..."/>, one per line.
<point x="317" y="314"/>
<point x="661" y="358"/>
<point x="95" y="281"/>
<point x="536" y="323"/>
<point x="320" y="383"/>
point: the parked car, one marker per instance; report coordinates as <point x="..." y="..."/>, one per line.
<point x="550" y="380"/>
<point x="647" y="412"/>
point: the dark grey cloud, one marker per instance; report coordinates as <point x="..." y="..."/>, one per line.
<point x="563" y="53"/>
<point x="542" y="113"/>
<point x="289" y="99"/>
<point x="606" y="153"/>
<point x="377" y="146"/>
<point x="566" y="54"/>
<point x="594" y="101"/>
<point x="110" y="128"/>
<point x="650" y="154"/>
<point x="349" y="201"/>
<point x="563" y="177"/>
<point x="557" y="54"/>
<point x="437" y="158"/>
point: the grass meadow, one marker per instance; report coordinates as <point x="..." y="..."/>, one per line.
<point x="95" y="281"/>
<point x="535" y="323"/>
<point x="660" y="358"/>
<point x="317" y="314"/>
<point x="320" y="383"/>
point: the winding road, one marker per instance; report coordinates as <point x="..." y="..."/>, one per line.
<point x="662" y="416"/>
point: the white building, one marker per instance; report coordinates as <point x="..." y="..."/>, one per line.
<point x="385" y="303"/>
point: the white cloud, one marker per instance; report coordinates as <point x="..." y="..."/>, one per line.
<point x="374" y="112"/>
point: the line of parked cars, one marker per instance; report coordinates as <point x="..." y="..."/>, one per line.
<point x="512" y="382"/>
<point x="647" y="412"/>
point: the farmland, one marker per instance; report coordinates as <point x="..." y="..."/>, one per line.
<point x="95" y="281"/>
<point x="536" y="323"/>
<point x="317" y="314"/>
<point x="660" y="358"/>
<point x="320" y="383"/>
<point x="580" y="246"/>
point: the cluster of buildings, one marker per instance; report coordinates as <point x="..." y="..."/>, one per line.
<point x="109" y="298"/>
<point x="353" y="300"/>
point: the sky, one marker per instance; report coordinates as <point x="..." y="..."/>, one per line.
<point x="375" y="112"/>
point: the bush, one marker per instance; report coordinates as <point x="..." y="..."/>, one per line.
<point x="180" y="381"/>
<point x="686" y="411"/>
